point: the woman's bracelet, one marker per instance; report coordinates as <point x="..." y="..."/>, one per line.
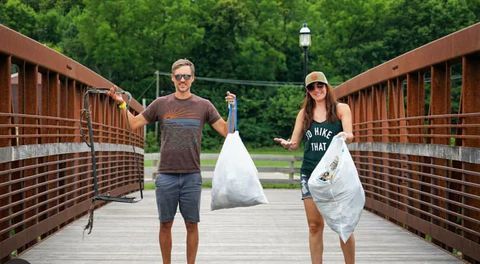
<point x="123" y="105"/>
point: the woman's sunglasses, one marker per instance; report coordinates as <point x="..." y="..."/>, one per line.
<point x="179" y="77"/>
<point x="312" y="86"/>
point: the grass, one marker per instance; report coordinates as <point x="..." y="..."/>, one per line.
<point x="276" y="151"/>
<point x="269" y="150"/>
<point x="258" y="163"/>
<point x="281" y="185"/>
<point x="208" y="184"/>
<point x="428" y="238"/>
<point x="457" y="253"/>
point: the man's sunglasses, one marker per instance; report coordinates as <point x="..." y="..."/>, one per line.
<point x="312" y="86"/>
<point x="179" y="77"/>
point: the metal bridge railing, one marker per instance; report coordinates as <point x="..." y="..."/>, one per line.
<point x="45" y="167"/>
<point x="417" y="140"/>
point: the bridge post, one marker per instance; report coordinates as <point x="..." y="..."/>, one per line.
<point x="470" y="104"/>
<point x="5" y="107"/>
<point x="416" y="110"/>
<point x="53" y="110"/>
<point x="28" y="104"/>
<point x="440" y="104"/>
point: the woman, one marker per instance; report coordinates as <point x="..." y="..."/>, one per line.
<point x="320" y="118"/>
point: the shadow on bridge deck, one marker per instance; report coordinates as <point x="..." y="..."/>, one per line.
<point x="273" y="233"/>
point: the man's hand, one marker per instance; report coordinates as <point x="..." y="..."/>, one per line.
<point x="230" y="98"/>
<point x="116" y="97"/>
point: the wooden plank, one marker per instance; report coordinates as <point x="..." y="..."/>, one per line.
<point x="273" y="233"/>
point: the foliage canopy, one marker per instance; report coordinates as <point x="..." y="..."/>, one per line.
<point x="127" y="41"/>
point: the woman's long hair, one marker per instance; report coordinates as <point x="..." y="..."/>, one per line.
<point x="309" y="104"/>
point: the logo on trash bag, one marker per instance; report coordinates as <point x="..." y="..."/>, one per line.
<point x="329" y="174"/>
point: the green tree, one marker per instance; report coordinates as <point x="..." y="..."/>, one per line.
<point x="421" y="22"/>
<point x="19" y="16"/>
<point x="283" y="110"/>
<point x="127" y="41"/>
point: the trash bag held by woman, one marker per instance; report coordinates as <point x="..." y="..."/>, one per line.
<point x="336" y="189"/>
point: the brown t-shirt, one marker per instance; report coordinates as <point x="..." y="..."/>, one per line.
<point x="181" y="124"/>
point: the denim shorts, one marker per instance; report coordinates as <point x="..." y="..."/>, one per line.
<point x="178" y="190"/>
<point x="304" y="182"/>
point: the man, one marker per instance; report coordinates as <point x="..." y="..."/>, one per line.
<point x="178" y="183"/>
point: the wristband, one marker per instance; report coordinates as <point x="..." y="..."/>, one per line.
<point x="122" y="105"/>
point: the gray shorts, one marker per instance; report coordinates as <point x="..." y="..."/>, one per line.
<point x="178" y="190"/>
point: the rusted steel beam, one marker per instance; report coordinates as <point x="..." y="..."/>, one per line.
<point x="452" y="239"/>
<point x="68" y="193"/>
<point x="401" y="111"/>
<point x="440" y="105"/>
<point x="30" y="101"/>
<point x="45" y="109"/>
<point x="415" y="103"/>
<point x="470" y="95"/>
<point x="27" y="49"/>
<point x="116" y="155"/>
<point x="462" y="154"/>
<point x="455" y="45"/>
<point x="392" y="114"/>
<point x="33" y="232"/>
<point x="6" y="92"/>
<point x="440" y="167"/>
<point x="432" y="181"/>
<point x="374" y="113"/>
<point x="369" y="103"/>
<point x="434" y="196"/>
<point x="383" y="115"/>
<point x="393" y="109"/>
<point x="6" y="107"/>
<point x="42" y="195"/>
<point x="442" y="116"/>
<point x="440" y="100"/>
<point x="422" y="213"/>
<point x="44" y="123"/>
<point x="355" y="105"/>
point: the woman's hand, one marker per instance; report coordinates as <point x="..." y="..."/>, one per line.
<point x="116" y="97"/>
<point x="346" y="135"/>
<point x="287" y="144"/>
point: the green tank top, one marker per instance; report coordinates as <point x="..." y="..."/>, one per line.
<point x="316" y="140"/>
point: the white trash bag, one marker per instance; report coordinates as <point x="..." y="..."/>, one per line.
<point x="235" y="180"/>
<point x="337" y="190"/>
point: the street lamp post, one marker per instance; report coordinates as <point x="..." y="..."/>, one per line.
<point x="305" y="41"/>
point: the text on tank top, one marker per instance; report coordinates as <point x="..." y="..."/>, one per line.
<point x="317" y="138"/>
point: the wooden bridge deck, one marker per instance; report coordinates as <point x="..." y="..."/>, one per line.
<point x="273" y="233"/>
